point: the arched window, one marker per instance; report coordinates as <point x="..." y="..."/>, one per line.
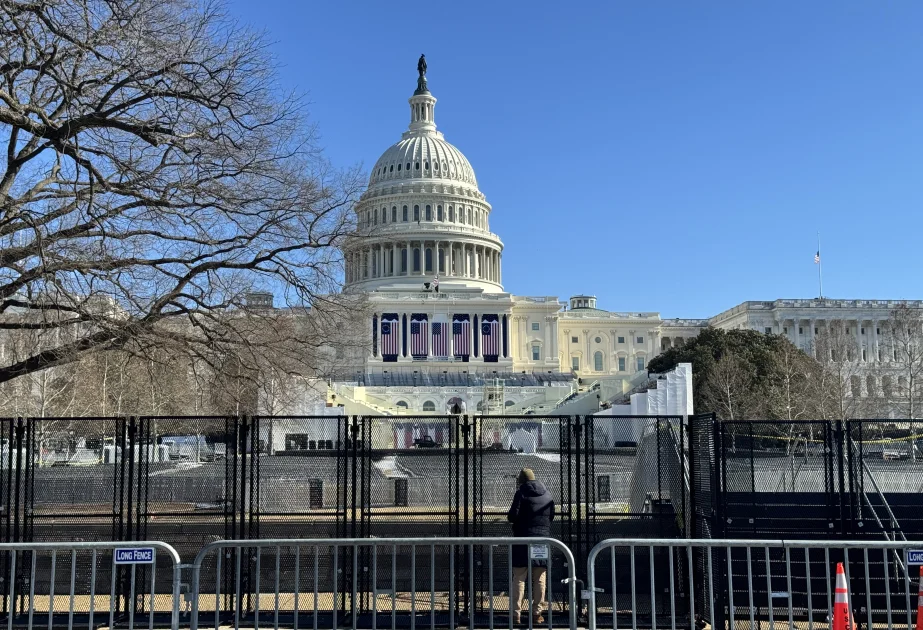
<point x="429" y="259"/>
<point x="509" y="403"/>
<point x="451" y="214"/>
<point x="439" y="213"/>
<point x="401" y="404"/>
<point x="429" y="213"/>
<point x="598" y="361"/>
<point x="429" y="405"/>
<point x="855" y="384"/>
<point x="416" y="260"/>
<point x="416" y="213"/>
<point x="405" y="214"/>
<point x="393" y="214"/>
<point x="404" y="260"/>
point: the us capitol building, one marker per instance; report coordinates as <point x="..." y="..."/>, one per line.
<point x="444" y="331"/>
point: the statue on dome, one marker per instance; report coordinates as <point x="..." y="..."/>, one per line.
<point x="421" y="66"/>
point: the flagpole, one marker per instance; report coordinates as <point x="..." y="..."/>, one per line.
<point x="820" y="269"/>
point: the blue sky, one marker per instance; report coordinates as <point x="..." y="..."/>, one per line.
<point x="667" y="156"/>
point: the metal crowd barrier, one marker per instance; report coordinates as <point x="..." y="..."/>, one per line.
<point x="92" y="584"/>
<point x="372" y="582"/>
<point x="742" y="584"/>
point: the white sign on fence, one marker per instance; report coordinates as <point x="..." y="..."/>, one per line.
<point x="915" y="557"/>
<point x="135" y="555"/>
<point x="538" y="552"/>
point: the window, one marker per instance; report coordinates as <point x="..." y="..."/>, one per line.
<point x="816" y="331"/>
<point x="429" y="213"/>
<point x="640" y="340"/>
<point x="575" y="363"/>
<point x="439" y="211"/>
<point x="405" y="214"/>
<point x="451" y="214"/>
<point x="864" y="355"/>
<point x="640" y="363"/>
<point x="535" y="326"/>
<point x="597" y="340"/>
<point x="598" y="361"/>
<point x="429" y="405"/>
<point x="862" y="331"/>
<point x="398" y="168"/>
<point x="847" y="331"/>
<point x="536" y="353"/>
<point x="416" y="213"/>
<point x="425" y="166"/>
<point x="621" y="339"/>
<point x="621" y="364"/>
<point x="785" y="330"/>
<point x="429" y="259"/>
<point x="418" y="166"/>
<point x="878" y="331"/>
<point x="800" y="330"/>
<point x="391" y="170"/>
<point x="768" y="330"/>
<point x="393" y="214"/>
<point x="404" y="260"/>
<point x="408" y="166"/>
<point x="416" y="260"/>
<point x="574" y="340"/>
<point x="401" y="404"/>
<point x="375" y="216"/>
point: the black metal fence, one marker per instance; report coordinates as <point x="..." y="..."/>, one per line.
<point x="188" y="481"/>
<point x="808" y="479"/>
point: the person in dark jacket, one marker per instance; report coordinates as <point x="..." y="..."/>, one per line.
<point x="531" y="514"/>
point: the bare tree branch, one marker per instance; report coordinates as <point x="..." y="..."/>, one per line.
<point x="153" y="177"/>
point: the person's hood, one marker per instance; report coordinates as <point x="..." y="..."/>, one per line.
<point x="533" y="489"/>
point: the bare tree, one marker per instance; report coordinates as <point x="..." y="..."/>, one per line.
<point x="788" y="393"/>
<point x="837" y="388"/>
<point x="728" y="389"/>
<point x="904" y="338"/>
<point x="153" y="178"/>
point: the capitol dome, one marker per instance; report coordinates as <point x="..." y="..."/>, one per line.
<point x="428" y="157"/>
<point x="423" y="217"/>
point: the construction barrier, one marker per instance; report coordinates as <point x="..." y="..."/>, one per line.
<point x="746" y="583"/>
<point x="464" y="582"/>
<point x="129" y="585"/>
<point x="385" y="582"/>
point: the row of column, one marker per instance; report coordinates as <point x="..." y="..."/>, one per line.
<point x="424" y="258"/>
<point x="870" y="340"/>
<point x="474" y="334"/>
<point x="524" y="338"/>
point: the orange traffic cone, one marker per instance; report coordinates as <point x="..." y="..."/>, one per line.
<point x="920" y="603"/>
<point x="841" y="617"/>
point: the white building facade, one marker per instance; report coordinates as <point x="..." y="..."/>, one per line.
<point x="443" y="327"/>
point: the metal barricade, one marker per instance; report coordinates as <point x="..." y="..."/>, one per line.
<point x="77" y="584"/>
<point x="743" y="584"/>
<point x="379" y="583"/>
